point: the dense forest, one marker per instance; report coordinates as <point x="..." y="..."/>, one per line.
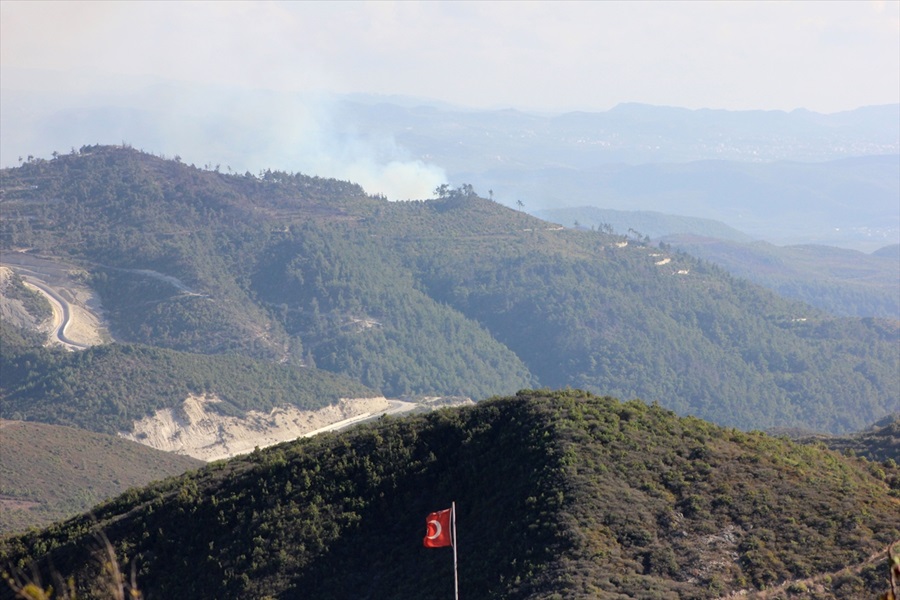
<point x="563" y="494"/>
<point x="452" y="296"/>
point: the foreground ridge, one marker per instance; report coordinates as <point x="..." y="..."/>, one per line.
<point x="564" y="494"/>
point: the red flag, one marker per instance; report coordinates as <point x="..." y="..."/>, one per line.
<point x="438" y="529"/>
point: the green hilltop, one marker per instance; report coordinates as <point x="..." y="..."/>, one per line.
<point x="453" y="296"/>
<point x="558" y="494"/>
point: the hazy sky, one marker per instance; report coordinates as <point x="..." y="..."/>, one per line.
<point x="99" y="62"/>
<point x="824" y="56"/>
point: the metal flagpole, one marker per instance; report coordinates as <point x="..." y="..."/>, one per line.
<point x="453" y="528"/>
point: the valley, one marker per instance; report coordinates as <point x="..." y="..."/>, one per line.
<point x="456" y="296"/>
<point x="191" y="430"/>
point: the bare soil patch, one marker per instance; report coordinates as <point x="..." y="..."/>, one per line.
<point x="198" y="431"/>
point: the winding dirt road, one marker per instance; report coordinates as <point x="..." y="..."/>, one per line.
<point x="62" y="311"/>
<point x="76" y="319"/>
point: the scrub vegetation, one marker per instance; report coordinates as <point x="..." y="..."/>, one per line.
<point x="559" y="495"/>
<point x="452" y="296"/>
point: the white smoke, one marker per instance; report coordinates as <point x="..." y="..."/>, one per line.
<point x="318" y="140"/>
<point x="406" y="180"/>
<point x="233" y="129"/>
<point x="297" y="133"/>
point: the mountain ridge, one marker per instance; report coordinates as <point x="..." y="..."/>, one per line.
<point x="515" y="153"/>
<point x="593" y="498"/>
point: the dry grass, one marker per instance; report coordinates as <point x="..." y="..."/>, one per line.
<point x="110" y="585"/>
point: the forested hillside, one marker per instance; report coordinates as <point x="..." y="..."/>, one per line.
<point x="838" y="280"/>
<point x="453" y="296"/>
<point x="558" y="494"/>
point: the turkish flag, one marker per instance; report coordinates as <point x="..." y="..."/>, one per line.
<point x="438" y="529"/>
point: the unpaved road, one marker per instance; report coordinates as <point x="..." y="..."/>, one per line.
<point x="396" y="407"/>
<point x="62" y="312"/>
<point x="77" y="321"/>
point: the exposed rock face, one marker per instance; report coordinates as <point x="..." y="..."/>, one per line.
<point x="197" y="431"/>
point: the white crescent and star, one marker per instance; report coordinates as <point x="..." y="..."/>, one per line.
<point x="437" y="529"/>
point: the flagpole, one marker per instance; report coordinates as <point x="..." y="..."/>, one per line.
<point x="455" y="577"/>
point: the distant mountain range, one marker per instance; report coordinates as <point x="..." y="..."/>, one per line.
<point x="784" y="177"/>
<point x="787" y="178"/>
<point x="626" y="134"/>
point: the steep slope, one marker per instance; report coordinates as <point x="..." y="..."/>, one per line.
<point x="49" y="473"/>
<point x="175" y="252"/>
<point x="75" y="315"/>
<point x="637" y="321"/>
<point x="363" y="313"/>
<point x="20" y="305"/>
<point x="559" y="495"/>
<point x="455" y="296"/>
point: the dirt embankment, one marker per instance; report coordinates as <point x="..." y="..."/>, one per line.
<point x="198" y="431"/>
<point x="77" y="321"/>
